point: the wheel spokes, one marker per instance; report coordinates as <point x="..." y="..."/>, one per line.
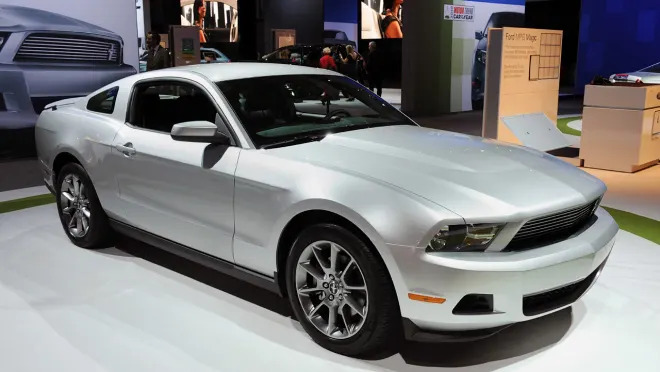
<point x="350" y="301"/>
<point x="332" y="320"/>
<point x="309" y="290"/>
<point x="312" y="270"/>
<point x="334" y="253"/>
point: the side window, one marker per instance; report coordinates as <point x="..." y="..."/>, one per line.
<point x="103" y="102"/>
<point x="158" y="106"/>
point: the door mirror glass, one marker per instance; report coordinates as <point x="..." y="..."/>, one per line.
<point x="198" y="131"/>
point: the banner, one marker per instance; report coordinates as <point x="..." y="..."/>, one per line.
<point x="471" y="21"/>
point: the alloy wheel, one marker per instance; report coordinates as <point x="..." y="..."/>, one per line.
<point x="75" y="206"/>
<point x="331" y="289"/>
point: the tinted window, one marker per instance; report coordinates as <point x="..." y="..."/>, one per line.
<point x="159" y="105"/>
<point x="103" y="102"/>
<point x="281" y="108"/>
<point x="505" y="19"/>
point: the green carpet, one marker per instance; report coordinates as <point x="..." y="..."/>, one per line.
<point x="644" y="227"/>
<point x="562" y="125"/>
<point x="32" y="201"/>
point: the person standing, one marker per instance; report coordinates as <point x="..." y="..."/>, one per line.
<point x="375" y="69"/>
<point x="327" y="61"/>
<point x="350" y="62"/>
<point x="157" y="56"/>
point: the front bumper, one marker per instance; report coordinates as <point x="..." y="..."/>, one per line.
<point x="26" y="88"/>
<point x="523" y="285"/>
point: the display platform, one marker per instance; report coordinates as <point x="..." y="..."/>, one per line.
<point x="110" y="310"/>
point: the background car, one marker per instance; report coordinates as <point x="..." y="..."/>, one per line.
<point x="648" y="75"/>
<point x="46" y="56"/>
<point x="335" y="37"/>
<point x="496" y="20"/>
<point x="305" y="55"/>
<point x="371" y="225"/>
<point x="212" y="55"/>
<point x="207" y="55"/>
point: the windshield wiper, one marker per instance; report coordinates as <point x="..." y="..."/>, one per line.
<point x="294" y="141"/>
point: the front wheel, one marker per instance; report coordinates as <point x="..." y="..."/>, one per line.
<point x="80" y="211"/>
<point x="341" y="292"/>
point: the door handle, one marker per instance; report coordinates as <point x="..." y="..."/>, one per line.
<point x="127" y="149"/>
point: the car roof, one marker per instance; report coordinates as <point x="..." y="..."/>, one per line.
<point x="242" y="70"/>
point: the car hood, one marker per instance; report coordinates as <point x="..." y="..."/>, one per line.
<point x="18" y="18"/>
<point x="476" y="178"/>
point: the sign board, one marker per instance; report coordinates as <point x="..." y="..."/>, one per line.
<point x="459" y="13"/>
<point x="522" y="77"/>
<point x="283" y="38"/>
<point x="185" y="44"/>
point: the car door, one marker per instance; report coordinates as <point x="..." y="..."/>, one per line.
<point x="181" y="191"/>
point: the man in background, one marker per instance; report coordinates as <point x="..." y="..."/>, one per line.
<point x="375" y="69"/>
<point x="157" y="56"/>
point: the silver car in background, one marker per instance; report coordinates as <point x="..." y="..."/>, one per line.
<point x="647" y="75"/>
<point x="304" y="182"/>
<point x="45" y="57"/>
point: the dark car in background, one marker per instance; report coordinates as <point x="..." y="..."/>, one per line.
<point x="46" y="57"/>
<point x="496" y="20"/>
<point x="304" y="55"/>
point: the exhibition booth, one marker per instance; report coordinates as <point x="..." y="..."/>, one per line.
<point x="529" y="110"/>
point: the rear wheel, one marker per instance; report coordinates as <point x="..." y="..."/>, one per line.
<point x="82" y="217"/>
<point x="341" y="292"/>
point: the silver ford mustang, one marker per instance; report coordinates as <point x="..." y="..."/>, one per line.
<point x="303" y="182"/>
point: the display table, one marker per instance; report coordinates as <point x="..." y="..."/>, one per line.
<point x="621" y="127"/>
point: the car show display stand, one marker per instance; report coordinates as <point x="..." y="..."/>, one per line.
<point x="621" y="127"/>
<point x="522" y="87"/>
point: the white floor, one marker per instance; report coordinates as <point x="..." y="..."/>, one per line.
<point x="66" y="309"/>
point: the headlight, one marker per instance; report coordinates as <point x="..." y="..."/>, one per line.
<point x="464" y="238"/>
<point x="481" y="56"/>
<point x="3" y="39"/>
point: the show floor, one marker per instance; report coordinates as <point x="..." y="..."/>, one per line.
<point x="138" y="309"/>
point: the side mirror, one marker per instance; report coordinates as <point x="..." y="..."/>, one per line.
<point x="479" y="35"/>
<point x="199" y="131"/>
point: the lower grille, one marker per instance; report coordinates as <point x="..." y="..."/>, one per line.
<point x="554" y="299"/>
<point x="552" y="228"/>
<point x="43" y="47"/>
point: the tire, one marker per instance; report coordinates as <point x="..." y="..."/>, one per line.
<point x="365" y="336"/>
<point x="84" y="207"/>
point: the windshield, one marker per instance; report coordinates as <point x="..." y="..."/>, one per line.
<point x="505" y="19"/>
<point x="655" y="68"/>
<point x="277" y="109"/>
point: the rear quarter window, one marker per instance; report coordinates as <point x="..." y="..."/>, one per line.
<point x="103" y="102"/>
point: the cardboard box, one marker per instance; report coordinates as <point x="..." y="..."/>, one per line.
<point x="620" y="139"/>
<point x="623" y="96"/>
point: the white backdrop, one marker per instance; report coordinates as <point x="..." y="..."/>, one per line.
<point x="118" y="16"/>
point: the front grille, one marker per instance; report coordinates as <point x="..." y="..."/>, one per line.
<point x="551" y="228"/>
<point x="554" y="299"/>
<point x="69" y="48"/>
